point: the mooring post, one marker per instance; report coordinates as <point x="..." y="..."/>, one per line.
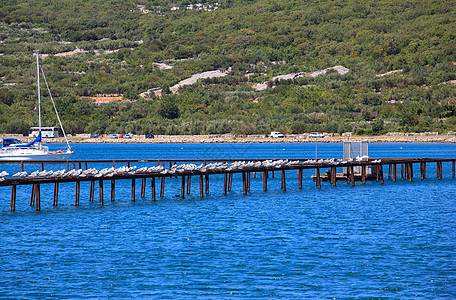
<point x="284" y="184"/>
<point x="92" y="190"/>
<point x="317" y="177"/>
<point x="410" y="171"/>
<point x="394" y="172"/>
<point x="453" y="169"/>
<point x="143" y="187"/>
<point x="189" y="182"/>
<point x="352" y="175"/>
<point x="100" y="192"/>
<point x="133" y="189"/>
<point x="225" y="183"/>
<point x="113" y="190"/>
<point x="56" y="193"/>
<point x="152" y="183"/>
<point x="230" y="181"/>
<point x="162" y="187"/>
<point x="244" y="184"/>
<point x="32" y="199"/>
<point x="265" y="181"/>
<point x="182" y="186"/>
<point x="207" y="183"/>
<point x="37" y="195"/>
<point x="13" y="198"/>
<point x="201" y="186"/>
<point x="78" y="186"/>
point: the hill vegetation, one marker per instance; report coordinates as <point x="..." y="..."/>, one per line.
<point x="401" y="57"/>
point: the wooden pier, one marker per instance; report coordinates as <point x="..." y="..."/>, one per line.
<point x="157" y="172"/>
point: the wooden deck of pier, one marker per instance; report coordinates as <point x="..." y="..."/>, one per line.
<point x="405" y="165"/>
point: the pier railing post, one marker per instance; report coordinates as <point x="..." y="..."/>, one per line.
<point x="152" y="183"/>
<point x="13" y="198"/>
<point x="100" y="192"/>
<point x="56" y="193"/>
<point x="133" y="189"/>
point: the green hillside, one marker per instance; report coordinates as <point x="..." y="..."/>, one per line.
<point x="120" y="43"/>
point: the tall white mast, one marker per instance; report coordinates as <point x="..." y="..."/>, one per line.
<point x="39" y="93"/>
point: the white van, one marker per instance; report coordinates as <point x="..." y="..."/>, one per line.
<point x="276" y="134"/>
<point x="316" y="135"/>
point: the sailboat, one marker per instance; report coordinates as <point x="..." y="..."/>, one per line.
<point x="14" y="149"/>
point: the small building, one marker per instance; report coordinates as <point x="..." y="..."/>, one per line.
<point x="45" y="132"/>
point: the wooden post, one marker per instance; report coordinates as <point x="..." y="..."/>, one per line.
<point x="133" y="189"/>
<point x="377" y="174"/>
<point x="394" y="172"/>
<point x="284" y="184"/>
<point x="22" y="166"/>
<point x="162" y="187"/>
<point x="230" y="181"/>
<point x="189" y="182"/>
<point x="37" y="195"/>
<point x="300" y="171"/>
<point x="333" y="176"/>
<point x="380" y="169"/>
<point x="352" y="176"/>
<point x="389" y="171"/>
<point x="422" y="164"/>
<point x="402" y="170"/>
<point x="363" y="174"/>
<point x="85" y="163"/>
<point x="248" y="181"/>
<point x="42" y="166"/>
<point x="225" y="183"/>
<point x="244" y="184"/>
<point x="80" y="165"/>
<point x="100" y="192"/>
<point x="56" y="193"/>
<point x="265" y="181"/>
<point x="78" y="187"/>
<point x="74" y="165"/>
<point x="68" y="165"/>
<point x="32" y="200"/>
<point x="143" y="187"/>
<point x="410" y="171"/>
<point x="207" y="183"/>
<point x="92" y="190"/>
<point x="439" y="170"/>
<point x="152" y="183"/>
<point x="201" y="186"/>
<point x="272" y="174"/>
<point x="113" y="190"/>
<point x="317" y="177"/>
<point x="182" y="186"/>
<point x="453" y="169"/>
<point x="348" y="175"/>
<point x="13" y="198"/>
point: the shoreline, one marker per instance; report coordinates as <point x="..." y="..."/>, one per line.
<point x="228" y="138"/>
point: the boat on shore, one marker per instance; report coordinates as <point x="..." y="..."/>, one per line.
<point x="14" y="149"/>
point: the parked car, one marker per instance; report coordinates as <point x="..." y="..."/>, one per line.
<point x="121" y="136"/>
<point x="94" y="135"/>
<point x="276" y="134"/>
<point x="127" y="136"/>
<point x="316" y="135"/>
<point x="113" y="136"/>
<point x="150" y="136"/>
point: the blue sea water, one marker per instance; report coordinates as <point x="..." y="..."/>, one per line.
<point x="372" y="241"/>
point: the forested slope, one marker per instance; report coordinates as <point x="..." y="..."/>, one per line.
<point x="124" y="40"/>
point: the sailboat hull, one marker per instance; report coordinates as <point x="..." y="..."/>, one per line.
<point x="27" y="154"/>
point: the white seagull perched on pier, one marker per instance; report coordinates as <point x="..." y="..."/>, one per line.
<point x="3" y="175"/>
<point x="20" y="174"/>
